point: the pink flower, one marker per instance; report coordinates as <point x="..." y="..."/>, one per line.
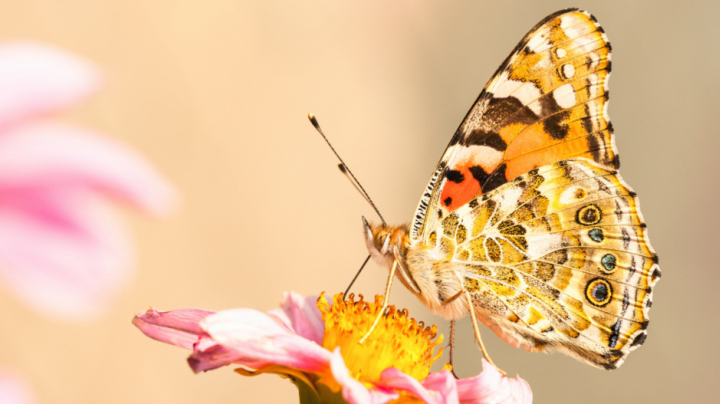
<point x="60" y="250"/>
<point x="14" y="389"/>
<point x="316" y="346"/>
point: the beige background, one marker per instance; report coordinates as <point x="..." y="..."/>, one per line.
<point x="216" y="95"/>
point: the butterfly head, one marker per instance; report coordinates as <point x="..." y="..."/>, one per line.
<point x="382" y="241"/>
<point x="389" y="244"/>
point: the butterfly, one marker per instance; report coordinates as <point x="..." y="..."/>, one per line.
<point x="526" y="223"/>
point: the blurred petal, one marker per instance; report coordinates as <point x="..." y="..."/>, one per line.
<point x="59" y="249"/>
<point x="302" y="315"/>
<point x="260" y="340"/>
<point x="36" y="79"/>
<point x="491" y="386"/>
<point x="13" y="389"/>
<point x="54" y="156"/>
<point x="177" y="327"/>
<point x="70" y="269"/>
<point x="353" y="391"/>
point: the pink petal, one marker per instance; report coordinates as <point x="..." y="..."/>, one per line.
<point x="353" y="391"/>
<point x="36" y="79"/>
<point x="397" y="380"/>
<point x="46" y="156"/>
<point x="260" y="340"/>
<point x="208" y="355"/>
<point x="491" y="386"/>
<point x="177" y="327"/>
<point x="14" y="389"/>
<point x="444" y="385"/>
<point x="302" y="315"/>
<point x="70" y="271"/>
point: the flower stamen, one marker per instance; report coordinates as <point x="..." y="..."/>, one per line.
<point x="397" y="341"/>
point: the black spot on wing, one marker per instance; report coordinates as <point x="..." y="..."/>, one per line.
<point x="618" y="211"/>
<point x="639" y="340"/>
<point x="480" y="138"/>
<point x="613" y="340"/>
<point x="625" y="303"/>
<point x="447" y="201"/>
<point x="524" y="116"/>
<point x="593" y="143"/>
<point x="496" y="179"/>
<point x="455" y="176"/>
<point x="479" y="174"/>
<point x="555" y="125"/>
<point x="632" y="268"/>
<point x="626" y="238"/>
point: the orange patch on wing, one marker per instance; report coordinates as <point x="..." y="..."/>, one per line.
<point x="458" y="194"/>
<point x="560" y="151"/>
<point x="510" y="131"/>
<point x="532" y="138"/>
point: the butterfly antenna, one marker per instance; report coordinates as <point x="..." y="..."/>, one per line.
<point x="346" y="170"/>
<point x="345" y="173"/>
<point x="356" y="276"/>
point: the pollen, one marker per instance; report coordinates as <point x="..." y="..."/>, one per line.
<point x="398" y="341"/>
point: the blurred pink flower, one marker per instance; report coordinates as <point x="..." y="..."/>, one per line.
<point x="60" y="250"/>
<point x="293" y="341"/>
<point x="14" y="389"/>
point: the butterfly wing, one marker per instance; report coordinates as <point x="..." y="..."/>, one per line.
<point x="547" y="102"/>
<point x="558" y="258"/>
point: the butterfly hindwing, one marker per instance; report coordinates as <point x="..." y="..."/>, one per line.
<point x="547" y="102"/>
<point x="559" y="257"/>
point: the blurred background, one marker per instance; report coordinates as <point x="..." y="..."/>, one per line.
<point x="215" y="95"/>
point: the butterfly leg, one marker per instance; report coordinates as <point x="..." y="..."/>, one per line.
<point x="477" y="333"/>
<point x="452" y="347"/>
<point x="385" y="302"/>
<point x="452" y="298"/>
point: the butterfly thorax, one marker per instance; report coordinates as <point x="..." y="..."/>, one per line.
<point x="423" y="269"/>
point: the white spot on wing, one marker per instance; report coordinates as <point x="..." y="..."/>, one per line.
<point x="560" y="52"/>
<point x="507" y="88"/>
<point x="605" y="110"/>
<point x="568" y="70"/>
<point x="542" y="244"/>
<point x="567" y="22"/>
<point x="536" y="41"/>
<point x="582" y="41"/>
<point x="592" y="85"/>
<point x="483" y="156"/>
<point x="607" y="82"/>
<point x="526" y="93"/>
<point x="565" y="96"/>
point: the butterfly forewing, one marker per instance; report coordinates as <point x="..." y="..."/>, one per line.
<point x="546" y="103"/>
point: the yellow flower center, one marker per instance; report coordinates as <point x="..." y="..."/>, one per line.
<point x="397" y="341"/>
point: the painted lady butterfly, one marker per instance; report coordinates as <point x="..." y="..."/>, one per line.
<point x="526" y="223"/>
